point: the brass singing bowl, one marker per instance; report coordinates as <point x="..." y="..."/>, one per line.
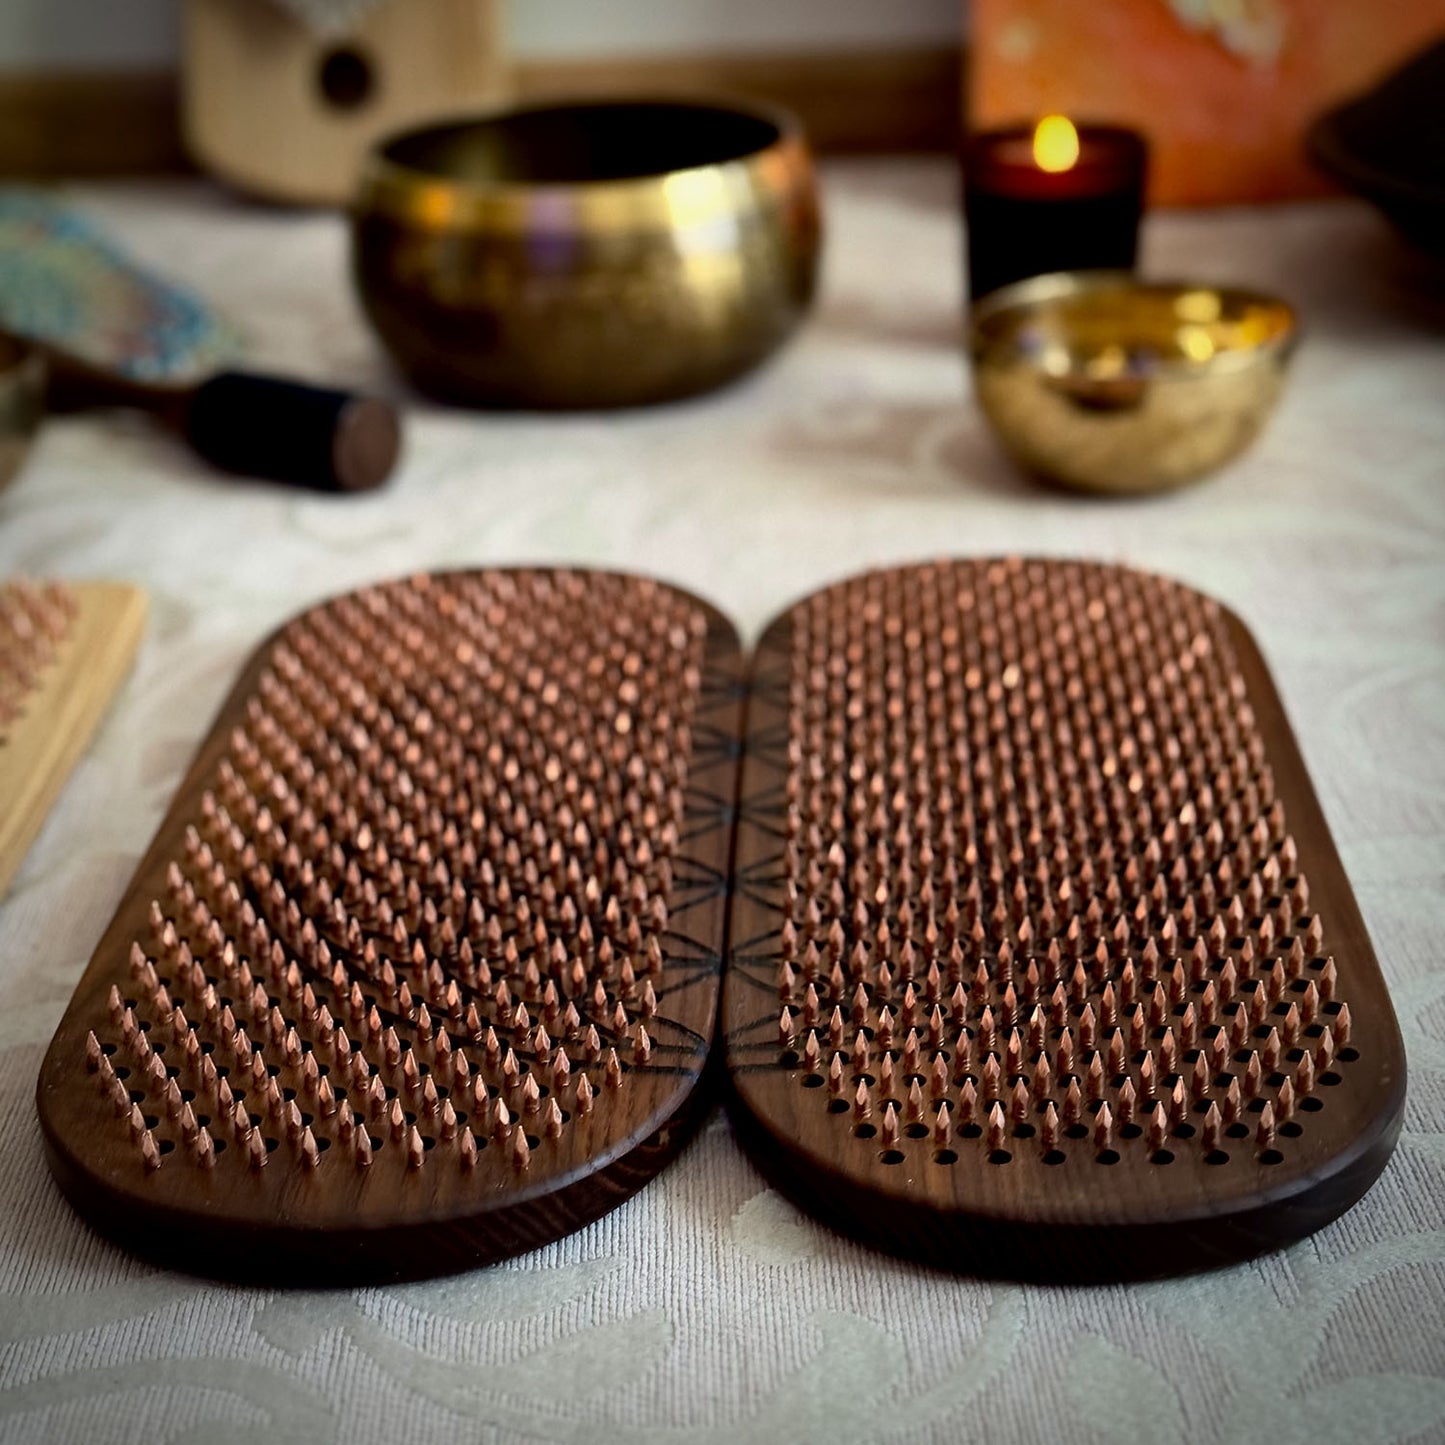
<point x="22" y="403"/>
<point x="599" y="254"/>
<point x="1099" y="381"/>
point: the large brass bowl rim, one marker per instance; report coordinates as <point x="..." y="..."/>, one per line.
<point x="1038" y="293"/>
<point x="684" y="195"/>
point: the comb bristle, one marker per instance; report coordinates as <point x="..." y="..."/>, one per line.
<point x="35" y="620"/>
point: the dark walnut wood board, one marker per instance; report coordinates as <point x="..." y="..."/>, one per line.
<point x="1046" y="844"/>
<point x="426" y="807"/>
<point x="1039" y="832"/>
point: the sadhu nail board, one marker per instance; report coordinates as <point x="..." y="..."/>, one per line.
<point x="422" y="966"/>
<point x="1042" y="960"/>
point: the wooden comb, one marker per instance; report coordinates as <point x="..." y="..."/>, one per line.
<point x="1044" y="963"/>
<point x="64" y="650"/>
<point x="422" y="966"/>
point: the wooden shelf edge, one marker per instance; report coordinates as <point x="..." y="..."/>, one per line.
<point x="90" y="123"/>
<point x="849" y="102"/>
<point x="110" y="123"/>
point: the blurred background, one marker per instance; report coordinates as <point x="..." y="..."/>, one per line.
<point x="281" y="96"/>
<point x="90" y="87"/>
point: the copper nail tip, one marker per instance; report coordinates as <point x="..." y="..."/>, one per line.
<point x="149" y="1150"/>
<point x="521" y="1152"/>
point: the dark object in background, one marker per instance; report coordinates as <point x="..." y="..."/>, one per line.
<point x="605" y="254"/>
<point x="310" y="436"/>
<point x="1389" y="147"/>
<point x="1024" y="220"/>
<point x="22" y="402"/>
<point x="257" y="426"/>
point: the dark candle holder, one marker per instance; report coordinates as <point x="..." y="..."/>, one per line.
<point x="1023" y="220"/>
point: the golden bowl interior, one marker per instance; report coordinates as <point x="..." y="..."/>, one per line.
<point x="1097" y="380"/>
<point x="1114" y="326"/>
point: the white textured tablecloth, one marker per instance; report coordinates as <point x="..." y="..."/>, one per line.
<point x="707" y="1308"/>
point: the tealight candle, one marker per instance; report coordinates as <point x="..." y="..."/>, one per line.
<point x="1051" y="198"/>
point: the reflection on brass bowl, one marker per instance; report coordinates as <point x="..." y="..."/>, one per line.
<point x="22" y="401"/>
<point x="1100" y="381"/>
<point x="598" y="254"/>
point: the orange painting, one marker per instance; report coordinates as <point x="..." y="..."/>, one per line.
<point x="1224" y="89"/>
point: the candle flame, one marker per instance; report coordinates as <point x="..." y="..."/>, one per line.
<point x="1056" y="143"/>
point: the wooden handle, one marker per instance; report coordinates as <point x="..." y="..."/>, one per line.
<point x="286" y="431"/>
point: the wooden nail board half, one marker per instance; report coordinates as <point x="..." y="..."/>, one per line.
<point x="421" y="969"/>
<point x="1043" y="962"/>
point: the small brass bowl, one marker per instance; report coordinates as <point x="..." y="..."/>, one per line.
<point x="22" y="403"/>
<point x="1100" y="381"/>
<point x="598" y="254"/>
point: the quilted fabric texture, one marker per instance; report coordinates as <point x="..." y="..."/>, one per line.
<point x="707" y="1309"/>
